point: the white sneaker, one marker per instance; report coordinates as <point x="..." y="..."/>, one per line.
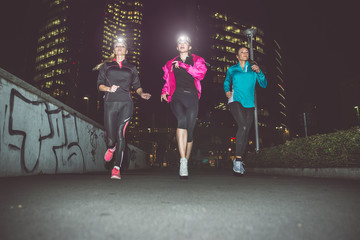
<point x="238" y="166"/>
<point x="183" y="172"/>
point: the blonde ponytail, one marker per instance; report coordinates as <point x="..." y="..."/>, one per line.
<point x="109" y="59"/>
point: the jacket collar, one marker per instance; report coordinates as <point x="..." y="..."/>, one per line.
<point x="246" y="67"/>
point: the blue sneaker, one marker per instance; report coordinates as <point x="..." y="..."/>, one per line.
<point x="238" y="166"/>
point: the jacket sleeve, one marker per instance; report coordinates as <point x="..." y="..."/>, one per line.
<point x="136" y="81"/>
<point x="198" y="70"/>
<point x="227" y="81"/>
<point x="260" y="77"/>
<point x="165" y="89"/>
<point x="102" y="77"/>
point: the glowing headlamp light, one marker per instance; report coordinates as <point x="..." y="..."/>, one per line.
<point x="120" y="40"/>
<point x="183" y="39"/>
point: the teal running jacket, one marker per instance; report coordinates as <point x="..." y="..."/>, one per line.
<point x="243" y="81"/>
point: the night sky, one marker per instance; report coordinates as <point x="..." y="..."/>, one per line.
<point x="319" y="39"/>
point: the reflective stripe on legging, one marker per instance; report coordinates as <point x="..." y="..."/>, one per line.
<point x="117" y="116"/>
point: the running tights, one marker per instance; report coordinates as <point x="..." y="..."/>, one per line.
<point x="185" y="106"/>
<point x="117" y="116"/>
<point x="244" y="118"/>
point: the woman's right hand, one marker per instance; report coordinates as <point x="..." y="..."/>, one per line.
<point x="228" y="94"/>
<point x="113" y="88"/>
<point x="164" y="97"/>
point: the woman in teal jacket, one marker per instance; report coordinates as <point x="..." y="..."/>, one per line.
<point x="242" y="100"/>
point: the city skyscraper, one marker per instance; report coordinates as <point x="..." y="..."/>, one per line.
<point x="54" y="60"/>
<point x="225" y="38"/>
<point x="72" y="41"/>
<point x="123" y="19"/>
<point x="67" y="50"/>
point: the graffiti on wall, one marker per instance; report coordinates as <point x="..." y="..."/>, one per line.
<point x="39" y="130"/>
<point x="36" y="136"/>
<point x="93" y="141"/>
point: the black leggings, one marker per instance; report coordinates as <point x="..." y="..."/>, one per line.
<point x="185" y="106"/>
<point x="244" y="118"/>
<point x="117" y="116"/>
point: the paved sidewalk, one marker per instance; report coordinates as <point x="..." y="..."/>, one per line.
<point x="341" y="173"/>
<point x="155" y="204"/>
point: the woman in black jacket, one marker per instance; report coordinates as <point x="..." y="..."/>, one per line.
<point x="115" y="78"/>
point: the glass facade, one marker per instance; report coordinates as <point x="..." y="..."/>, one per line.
<point x="226" y="37"/>
<point x="123" y="19"/>
<point x="72" y="41"/>
<point x="53" y="60"/>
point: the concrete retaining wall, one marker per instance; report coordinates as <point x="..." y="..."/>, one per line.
<point x="39" y="134"/>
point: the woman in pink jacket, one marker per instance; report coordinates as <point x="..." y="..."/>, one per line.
<point x="182" y="89"/>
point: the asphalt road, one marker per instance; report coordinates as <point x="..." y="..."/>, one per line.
<point x="155" y="204"/>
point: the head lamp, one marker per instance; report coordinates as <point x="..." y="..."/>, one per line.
<point x="120" y="40"/>
<point x="183" y="39"/>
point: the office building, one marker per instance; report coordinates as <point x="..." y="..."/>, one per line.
<point x="72" y="41"/>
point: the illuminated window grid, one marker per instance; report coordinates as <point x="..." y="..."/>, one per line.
<point x="123" y="18"/>
<point x="226" y="41"/>
<point x="53" y="36"/>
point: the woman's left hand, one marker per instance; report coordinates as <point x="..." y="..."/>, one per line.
<point x="255" y="68"/>
<point x="145" y="96"/>
<point x="176" y="64"/>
